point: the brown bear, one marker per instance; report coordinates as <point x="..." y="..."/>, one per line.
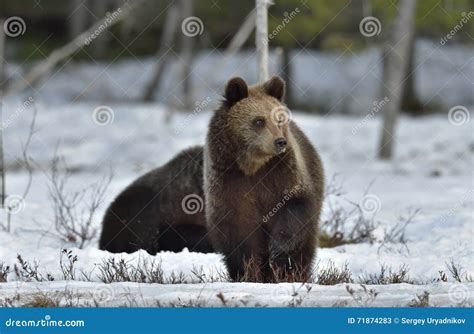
<point x="263" y="185"/>
<point x="162" y="210"/>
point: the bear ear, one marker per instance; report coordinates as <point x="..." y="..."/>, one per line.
<point x="236" y="90"/>
<point x="275" y="87"/>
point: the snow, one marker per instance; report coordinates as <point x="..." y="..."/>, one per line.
<point x="432" y="172"/>
<point x="237" y="295"/>
<point x="442" y="230"/>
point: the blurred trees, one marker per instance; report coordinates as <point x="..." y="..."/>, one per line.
<point x="323" y="24"/>
<point x="292" y="25"/>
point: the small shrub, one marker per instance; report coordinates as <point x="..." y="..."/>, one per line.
<point x="332" y="275"/>
<point x="457" y="272"/>
<point x="363" y="297"/>
<point x="74" y="210"/>
<point x="345" y="225"/>
<point x="28" y="272"/>
<point x="112" y="270"/>
<point x="388" y="276"/>
<point x="4" y="271"/>
<point x="67" y="260"/>
<point x="397" y="234"/>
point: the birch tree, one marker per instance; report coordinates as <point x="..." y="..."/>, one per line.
<point x="2" y="163"/>
<point x="186" y="50"/>
<point x="261" y="39"/>
<point x="410" y="101"/>
<point x="397" y="53"/>
<point x="77" y="21"/>
<point x="164" y="54"/>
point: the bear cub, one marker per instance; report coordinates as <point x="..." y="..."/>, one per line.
<point x="263" y="185"/>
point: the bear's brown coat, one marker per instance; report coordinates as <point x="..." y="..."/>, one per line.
<point x="151" y="213"/>
<point x="247" y="176"/>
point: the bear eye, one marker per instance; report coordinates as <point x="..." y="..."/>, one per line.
<point x="259" y="122"/>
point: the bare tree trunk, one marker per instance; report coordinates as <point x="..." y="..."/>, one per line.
<point x="164" y="53"/>
<point x="99" y="8"/>
<point x="2" y="57"/>
<point x="261" y="39"/>
<point x="67" y="50"/>
<point x="186" y="50"/>
<point x="366" y="8"/>
<point x="410" y="101"/>
<point x="287" y="75"/>
<point x="397" y="62"/>
<point x="2" y="69"/>
<point x="78" y="20"/>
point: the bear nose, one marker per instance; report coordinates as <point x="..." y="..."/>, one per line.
<point x="280" y="143"/>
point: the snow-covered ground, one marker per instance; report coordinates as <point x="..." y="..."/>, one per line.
<point x="86" y="294"/>
<point x="432" y="171"/>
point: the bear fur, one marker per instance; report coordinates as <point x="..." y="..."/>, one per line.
<point x="263" y="185"/>
<point x="152" y="212"/>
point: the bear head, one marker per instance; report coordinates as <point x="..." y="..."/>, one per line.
<point x="257" y="121"/>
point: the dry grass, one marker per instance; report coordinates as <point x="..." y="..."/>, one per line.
<point x="4" y="271"/>
<point x="112" y="270"/>
<point x="388" y="276"/>
<point x="421" y="300"/>
<point x="364" y="296"/>
<point x="457" y="272"/>
<point x="28" y="272"/>
<point x="43" y="300"/>
<point x="332" y="275"/>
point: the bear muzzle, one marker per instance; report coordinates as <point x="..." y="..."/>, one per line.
<point x="280" y="145"/>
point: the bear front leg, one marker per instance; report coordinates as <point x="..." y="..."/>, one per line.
<point x="293" y="239"/>
<point x="245" y="260"/>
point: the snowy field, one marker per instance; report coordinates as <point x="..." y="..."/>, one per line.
<point x="405" y="233"/>
<point x="432" y="174"/>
